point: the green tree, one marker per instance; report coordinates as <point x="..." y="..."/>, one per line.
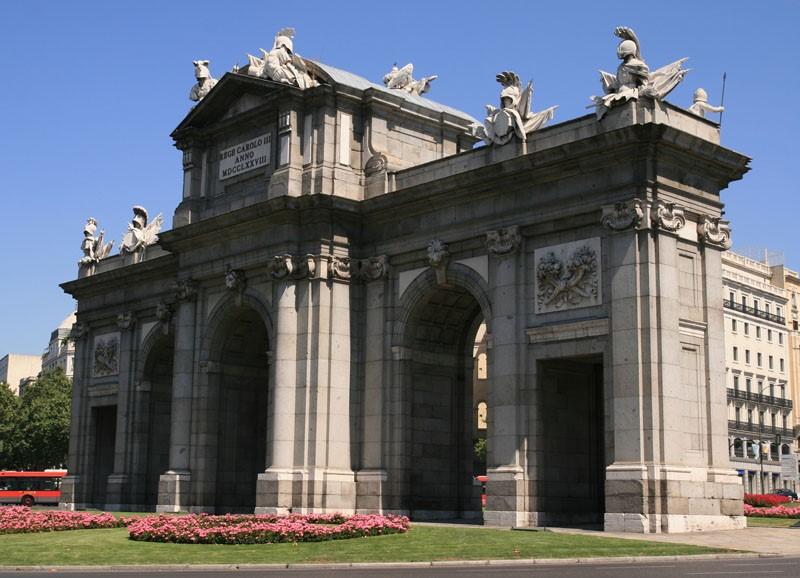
<point x="9" y="427"/>
<point x="44" y="422"/>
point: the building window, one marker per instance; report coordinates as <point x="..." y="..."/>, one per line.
<point x="794" y="325"/>
<point x="778" y="310"/>
<point x="482" y="366"/>
<point x="744" y="300"/>
<point x="483" y="415"/>
<point x="772" y="389"/>
<point x="760" y="386"/>
<point x="785" y="424"/>
<point x="738" y="414"/>
<point x="747" y="356"/>
<point x="769" y="335"/>
<point x="735" y="353"/>
<point x="761" y="418"/>
<point x="780" y="338"/>
<point x="733" y="325"/>
<point x="780" y="364"/>
<point x="758" y="332"/>
<point x="783" y="390"/>
<point x="766" y="307"/>
<point x="750" y="417"/>
<point x="749" y="384"/>
<point x="755" y="305"/>
<point x="736" y="382"/>
<point x="758" y="358"/>
<point x="770" y="362"/>
<point x="746" y="328"/>
<point x="731" y="296"/>
<point x="774" y="420"/>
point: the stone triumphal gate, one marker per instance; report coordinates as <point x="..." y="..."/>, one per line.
<point x="302" y="338"/>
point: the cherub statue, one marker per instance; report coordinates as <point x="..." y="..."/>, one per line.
<point x="140" y="234"/>
<point x="700" y="105"/>
<point x="514" y="117"/>
<point x="403" y="79"/>
<point x="281" y="64"/>
<point x="93" y="247"/>
<point x="633" y="78"/>
<point x="205" y="82"/>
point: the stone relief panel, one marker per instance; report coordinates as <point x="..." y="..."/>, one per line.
<point x="105" y="358"/>
<point x="568" y="276"/>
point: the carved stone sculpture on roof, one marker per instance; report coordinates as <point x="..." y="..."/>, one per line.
<point x="281" y="64"/>
<point x="514" y="117"/>
<point x="205" y="82"/>
<point x="633" y="78"/>
<point x="700" y="104"/>
<point x="93" y="247"/>
<point x="140" y="235"/>
<point x="403" y="79"/>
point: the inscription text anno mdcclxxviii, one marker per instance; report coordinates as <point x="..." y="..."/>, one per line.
<point x="243" y="157"/>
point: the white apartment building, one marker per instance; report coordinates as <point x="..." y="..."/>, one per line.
<point x="760" y="421"/>
<point x="60" y="352"/>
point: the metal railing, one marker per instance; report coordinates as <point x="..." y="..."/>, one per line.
<point x="760" y="313"/>
<point x="743" y="426"/>
<point x="759" y="398"/>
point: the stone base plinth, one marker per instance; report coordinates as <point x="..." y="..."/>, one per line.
<point x="281" y="491"/>
<point x="655" y="499"/>
<point x="505" y="491"/>
<point x="173" y="491"/>
<point x="370" y="486"/>
<point x="69" y="494"/>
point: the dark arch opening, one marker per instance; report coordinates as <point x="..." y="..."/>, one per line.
<point x="440" y="337"/>
<point x="242" y="377"/>
<point x="158" y="375"/>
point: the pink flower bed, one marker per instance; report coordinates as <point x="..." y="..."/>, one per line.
<point x="262" y="529"/>
<point x="773" y="512"/>
<point x="20" y="520"/>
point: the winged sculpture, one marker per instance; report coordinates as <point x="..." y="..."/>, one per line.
<point x="403" y="79"/>
<point x="633" y="77"/>
<point x="140" y="234"/>
<point x="514" y="117"/>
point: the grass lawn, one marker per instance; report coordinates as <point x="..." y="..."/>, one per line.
<point x="756" y="522"/>
<point x="422" y="543"/>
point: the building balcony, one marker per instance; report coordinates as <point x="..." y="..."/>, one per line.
<point x="763" y="430"/>
<point x="759" y="398"/>
<point x="760" y="313"/>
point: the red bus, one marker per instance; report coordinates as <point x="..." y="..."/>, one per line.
<point x="29" y="488"/>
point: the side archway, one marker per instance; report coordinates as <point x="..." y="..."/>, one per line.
<point x="436" y="331"/>
<point x="236" y="395"/>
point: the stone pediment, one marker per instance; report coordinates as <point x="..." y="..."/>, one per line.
<point x="234" y="94"/>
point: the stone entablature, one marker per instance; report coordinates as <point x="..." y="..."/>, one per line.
<point x="268" y="330"/>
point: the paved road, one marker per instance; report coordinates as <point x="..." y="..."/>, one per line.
<point x="738" y="568"/>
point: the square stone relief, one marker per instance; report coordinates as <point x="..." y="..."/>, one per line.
<point x="568" y="276"/>
<point x="105" y="357"/>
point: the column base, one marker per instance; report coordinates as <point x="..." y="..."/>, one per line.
<point x="663" y="498"/>
<point x="370" y="486"/>
<point x="283" y="491"/>
<point x="174" y="491"/>
<point x="505" y="498"/>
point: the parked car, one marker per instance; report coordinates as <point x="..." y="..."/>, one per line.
<point x="786" y="492"/>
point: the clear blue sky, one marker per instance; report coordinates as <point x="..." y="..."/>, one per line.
<point x="91" y="90"/>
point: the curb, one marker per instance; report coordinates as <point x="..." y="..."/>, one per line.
<point x="385" y="565"/>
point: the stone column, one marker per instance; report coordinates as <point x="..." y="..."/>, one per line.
<point x="174" y="485"/>
<point x="505" y="489"/>
<point x="371" y="478"/>
<point x="275" y="487"/>
<point x="118" y="486"/>
<point x="73" y="488"/>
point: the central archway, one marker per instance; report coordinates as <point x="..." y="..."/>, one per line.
<point x="241" y="379"/>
